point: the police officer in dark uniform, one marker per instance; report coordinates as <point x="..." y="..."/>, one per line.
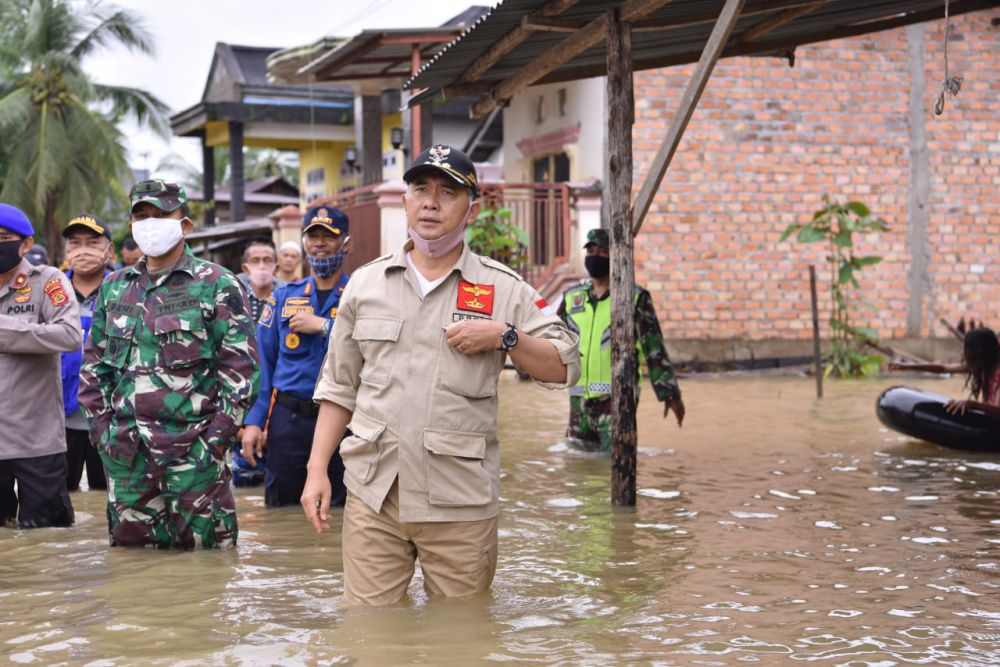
<point x="293" y="334"/>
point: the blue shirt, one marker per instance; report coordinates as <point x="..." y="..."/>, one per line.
<point x="290" y="362"/>
<point x="71" y="361"/>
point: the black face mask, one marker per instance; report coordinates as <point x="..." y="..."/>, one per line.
<point x="10" y="255"/>
<point x="597" y="266"/>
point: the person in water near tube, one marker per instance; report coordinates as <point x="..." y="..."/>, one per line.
<point x="981" y="365"/>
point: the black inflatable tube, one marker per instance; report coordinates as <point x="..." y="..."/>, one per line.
<point x="921" y="414"/>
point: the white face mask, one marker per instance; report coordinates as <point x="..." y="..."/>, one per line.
<point x="157" y="236"/>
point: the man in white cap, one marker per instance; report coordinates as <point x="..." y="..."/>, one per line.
<point x="289" y="262"/>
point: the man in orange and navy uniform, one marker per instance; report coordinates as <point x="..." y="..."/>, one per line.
<point x="293" y="333"/>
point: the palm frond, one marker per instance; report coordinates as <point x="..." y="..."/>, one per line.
<point x="15" y="109"/>
<point x="120" y="27"/>
<point x="146" y="108"/>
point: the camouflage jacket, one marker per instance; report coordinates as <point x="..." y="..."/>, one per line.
<point x="648" y="335"/>
<point x="170" y="358"/>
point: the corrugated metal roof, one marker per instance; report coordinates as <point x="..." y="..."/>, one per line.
<point x="674" y="34"/>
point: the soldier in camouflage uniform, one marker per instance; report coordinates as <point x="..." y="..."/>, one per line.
<point x="586" y="310"/>
<point x="170" y="369"/>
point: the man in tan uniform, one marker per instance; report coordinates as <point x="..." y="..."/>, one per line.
<point x="39" y="319"/>
<point x="418" y="345"/>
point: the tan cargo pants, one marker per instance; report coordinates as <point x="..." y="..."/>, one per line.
<point x="457" y="557"/>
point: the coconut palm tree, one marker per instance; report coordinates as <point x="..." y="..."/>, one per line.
<point x="64" y="152"/>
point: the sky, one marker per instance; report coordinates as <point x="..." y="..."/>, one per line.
<point x="185" y="33"/>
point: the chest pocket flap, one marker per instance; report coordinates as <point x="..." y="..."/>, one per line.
<point x="119" y="341"/>
<point x="183" y="340"/>
<point x="377" y="328"/>
<point x="377" y="337"/>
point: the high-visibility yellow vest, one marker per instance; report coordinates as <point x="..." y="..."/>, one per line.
<point x="592" y="323"/>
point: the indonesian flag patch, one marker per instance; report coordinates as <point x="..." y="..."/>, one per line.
<point x="544" y="306"/>
<point x="477" y="298"/>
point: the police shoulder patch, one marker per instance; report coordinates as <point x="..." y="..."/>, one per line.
<point x="54" y="290"/>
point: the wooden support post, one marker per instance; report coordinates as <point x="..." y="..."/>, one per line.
<point x="709" y="56"/>
<point x="208" y="181"/>
<point x="237" y="209"/>
<point x="416" y="112"/>
<point x="817" y="360"/>
<point x="619" y="192"/>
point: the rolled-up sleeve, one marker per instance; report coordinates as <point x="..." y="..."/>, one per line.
<point x="536" y="318"/>
<point x="341" y="373"/>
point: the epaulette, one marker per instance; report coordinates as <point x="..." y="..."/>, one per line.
<point x="378" y="259"/>
<point x="492" y="263"/>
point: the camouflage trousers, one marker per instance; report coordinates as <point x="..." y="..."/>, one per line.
<point x="590" y="423"/>
<point x="183" y="500"/>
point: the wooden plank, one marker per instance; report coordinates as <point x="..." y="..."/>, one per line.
<point x="817" y="359"/>
<point x="619" y="192"/>
<point x="710" y="55"/>
<point x="564" y="51"/>
<point x="775" y="22"/>
<point x="551" y="24"/>
<point x="511" y="41"/>
<point x="408" y="40"/>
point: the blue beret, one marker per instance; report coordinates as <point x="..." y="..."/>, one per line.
<point x="13" y="220"/>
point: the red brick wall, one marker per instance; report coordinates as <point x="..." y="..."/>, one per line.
<point x="766" y="143"/>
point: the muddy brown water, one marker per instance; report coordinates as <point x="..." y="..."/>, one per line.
<point x="773" y="529"/>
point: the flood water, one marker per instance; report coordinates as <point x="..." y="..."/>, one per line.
<point x="773" y="529"/>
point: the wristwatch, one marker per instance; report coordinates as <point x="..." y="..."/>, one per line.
<point x="327" y="327"/>
<point x="508" y="339"/>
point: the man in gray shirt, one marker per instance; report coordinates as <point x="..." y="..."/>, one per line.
<point x="39" y="318"/>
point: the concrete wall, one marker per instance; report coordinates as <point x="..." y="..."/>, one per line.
<point x="579" y="121"/>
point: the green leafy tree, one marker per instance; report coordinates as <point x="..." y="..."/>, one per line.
<point x="835" y="225"/>
<point x="64" y="151"/>
<point x="257" y="163"/>
<point x="492" y="234"/>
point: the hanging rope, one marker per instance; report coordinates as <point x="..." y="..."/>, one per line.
<point x="951" y="84"/>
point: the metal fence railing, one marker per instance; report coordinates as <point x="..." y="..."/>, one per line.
<point x="542" y="211"/>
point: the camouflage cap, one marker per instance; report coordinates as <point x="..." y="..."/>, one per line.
<point x="87" y="221"/>
<point x="599" y="237"/>
<point x="164" y="196"/>
<point x="450" y="161"/>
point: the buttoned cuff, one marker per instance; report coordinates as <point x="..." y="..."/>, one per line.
<point x="345" y="397"/>
<point x="570" y="358"/>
